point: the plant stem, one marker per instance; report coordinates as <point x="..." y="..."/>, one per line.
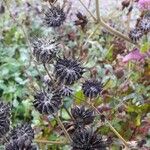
<point x="105" y="25"/>
<point x="97" y="10"/>
<point x="63" y="128"/>
<point x="111" y="127"/>
<point x="50" y="142"/>
<point x="47" y="71"/>
<point x="88" y="10"/>
<point x="114" y="31"/>
<point x="109" y="28"/>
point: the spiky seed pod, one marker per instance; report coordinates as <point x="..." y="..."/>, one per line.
<point x="92" y="88"/>
<point x="147" y="15"/>
<point x="47" y="103"/>
<point x="54" y="17"/>
<point x="135" y="35"/>
<point x="45" y="50"/>
<point x="144" y="25"/>
<point x="68" y="71"/>
<point x="65" y="91"/>
<point x="21" y="137"/>
<point x="87" y="140"/>
<point x="82" y="116"/>
<point x="13" y="146"/>
<point x="82" y="20"/>
<point x="4" y="119"/>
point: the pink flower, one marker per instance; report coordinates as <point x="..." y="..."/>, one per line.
<point x="144" y="4"/>
<point x="134" y="55"/>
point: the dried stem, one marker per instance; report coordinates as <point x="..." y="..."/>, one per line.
<point x="88" y="11"/>
<point x="47" y="71"/>
<point x="50" y="142"/>
<point x="104" y="24"/>
<point x="63" y="128"/>
<point x="115" y="32"/>
<point x="111" y="127"/>
<point x="97" y="10"/>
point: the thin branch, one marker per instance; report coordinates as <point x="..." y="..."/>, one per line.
<point x="115" y="32"/>
<point x="97" y="10"/>
<point x="105" y="25"/>
<point x="88" y="10"/>
<point x="63" y="128"/>
<point x="111" y="127"/>
<point x="47" y="71"/>
<point x="51" y="142"/>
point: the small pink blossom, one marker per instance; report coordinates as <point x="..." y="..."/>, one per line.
<point x="144" y="4"/>
<point x="134" y="55"/>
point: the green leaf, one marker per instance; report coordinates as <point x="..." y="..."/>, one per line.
<point x="65" y="114"/>
<point x="15" y="103"/>
<point x="138" y="120"/>
<point x="145" y="47"/>
<point x="79" y="97"/>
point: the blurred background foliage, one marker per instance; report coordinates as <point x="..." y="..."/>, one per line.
<point x="127" y="87"/>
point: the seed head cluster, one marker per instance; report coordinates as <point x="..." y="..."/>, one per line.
<point x="82" y="116"/>
<point x="92" y="88"/>
<point x="4" y="119"/>
<point x="21" y="137"/>
<point x="144" y="24"/>
<point x="47" y="103"/>
<point x="68" y="71"/>
<point x="45" y="50"/>
<point x="54" y="17"/>
<point x="63" y="72"/>
<point x="135" y="34"/>
<point x="88" y="140"/>
<point x="65" y="90"/>
<point x="143" y="27"/>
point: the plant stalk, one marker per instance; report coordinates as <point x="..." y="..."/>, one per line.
<point x="111" y="127"/>
<point x="104" y="24"/>
<point x="47" y="71"/>
<point x="51" y="142"/>
<point x="63" y="128"/>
